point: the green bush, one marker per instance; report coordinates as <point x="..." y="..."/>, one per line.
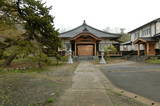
<point x="50" y="100"/>
<point x="108" y="50"/>
<point x="64" y="58"/>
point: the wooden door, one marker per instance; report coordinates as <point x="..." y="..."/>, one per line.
<point x="152" y="49"/>
<point x="85" y="50"/>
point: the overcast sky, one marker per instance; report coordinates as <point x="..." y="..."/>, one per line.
<point x="100" y="14"/>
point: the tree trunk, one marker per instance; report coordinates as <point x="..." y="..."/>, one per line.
<point x="9" y="60"/>
<point x="39" y="64"/>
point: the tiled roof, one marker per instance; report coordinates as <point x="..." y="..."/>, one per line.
<point x="85" y="27"/>
<point x="157" y="35"/>
<point x="127" y="43"/>
<point x="147" y="38"/>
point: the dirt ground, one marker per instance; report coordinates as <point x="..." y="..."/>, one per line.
<point x="66" y="85"/>
<point x="140" y="78"/>
<point x="35" y="89"/>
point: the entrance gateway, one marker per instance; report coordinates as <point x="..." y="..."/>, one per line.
<point x="85" y="50"/>
<point x="85" y="44"/>
<point x="85" y="40"/>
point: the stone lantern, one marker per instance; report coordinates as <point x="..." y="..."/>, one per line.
<point x="102" y="60"/>
<point x="70" y="60"/>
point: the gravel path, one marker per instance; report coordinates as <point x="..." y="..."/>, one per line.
<point x="87" y="89"/>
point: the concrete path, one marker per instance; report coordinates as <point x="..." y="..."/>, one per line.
<point x="87" y="88"/>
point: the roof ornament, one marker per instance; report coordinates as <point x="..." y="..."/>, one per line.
<point x="85" y="30"/>
<point x="84" y="21"/>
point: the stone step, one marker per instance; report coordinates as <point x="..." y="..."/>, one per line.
<point x="85" y="58"/>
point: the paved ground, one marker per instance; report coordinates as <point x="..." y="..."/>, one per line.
<point x="140" y="78"/>
<point x="86" y="90"/>
<point x="90" y="88"/>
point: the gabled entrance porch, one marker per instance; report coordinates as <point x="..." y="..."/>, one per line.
<point x="148" y="44"/>
<point x="85" y="44"/>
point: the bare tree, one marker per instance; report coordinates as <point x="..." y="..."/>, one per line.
<point x="114" y="30"/>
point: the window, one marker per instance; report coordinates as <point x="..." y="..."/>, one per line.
<point x="146" y="31"/>
<point x="136" y="35"/>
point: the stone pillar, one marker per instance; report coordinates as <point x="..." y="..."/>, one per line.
<point x="102" y="60"/>
<point x="70" y="60"/>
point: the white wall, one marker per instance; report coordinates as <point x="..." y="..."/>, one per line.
<point x="125" y="47"/>
<point x="158" y="27"/>
<point x="153" y="29"/>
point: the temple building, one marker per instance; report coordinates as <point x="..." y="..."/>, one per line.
<point x="86" y="40"/>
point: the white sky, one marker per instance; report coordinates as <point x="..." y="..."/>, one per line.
<point x="128" y="14"/>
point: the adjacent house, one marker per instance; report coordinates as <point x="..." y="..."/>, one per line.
<point x="144" y="39"/>
<point x="85" y="40"/>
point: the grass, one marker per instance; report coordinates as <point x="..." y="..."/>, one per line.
<point x="37" y="70"/>
<point x="153" y="61"/>
<point x="50" y="100"/>
<point x="27" y="65"/>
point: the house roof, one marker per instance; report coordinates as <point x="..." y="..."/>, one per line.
<point x="127" y="43"/>
<point x="93" y="36"/>
<point x="153" y="21"/>
<point x="157" y="35"/>
<point x="86" y="28"/>
<point x="145" y="39"/>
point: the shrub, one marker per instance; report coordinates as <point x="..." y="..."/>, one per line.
<point x="108" y="50"/>
<point x="50" y="100"/>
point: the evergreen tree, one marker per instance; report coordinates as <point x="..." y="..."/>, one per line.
<point x="39" y="26"/>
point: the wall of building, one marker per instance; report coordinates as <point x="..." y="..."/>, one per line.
<point x="103" y="43"/>
<point x="158" y="27"/>
<point x="126" y="48"/>
<point x="107" y="42"/>
<point x="158" y="45"/>
<point x="154" y="29"/>
<point x="66" y="44"/>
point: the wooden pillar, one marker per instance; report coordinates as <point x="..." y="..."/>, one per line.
<point x="147" y="47"/>
<point x="75" y="49"/>
<point x="138" y="51"/>
<point x="95" y="50"/>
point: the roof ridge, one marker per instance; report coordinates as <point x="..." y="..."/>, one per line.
<point x="73" y="29"/>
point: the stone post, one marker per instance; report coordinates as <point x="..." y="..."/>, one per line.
<point x="102" y="60"/>
<point x="70" y="60"/>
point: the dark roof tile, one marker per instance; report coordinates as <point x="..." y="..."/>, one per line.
<point x="85" y="27"/>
